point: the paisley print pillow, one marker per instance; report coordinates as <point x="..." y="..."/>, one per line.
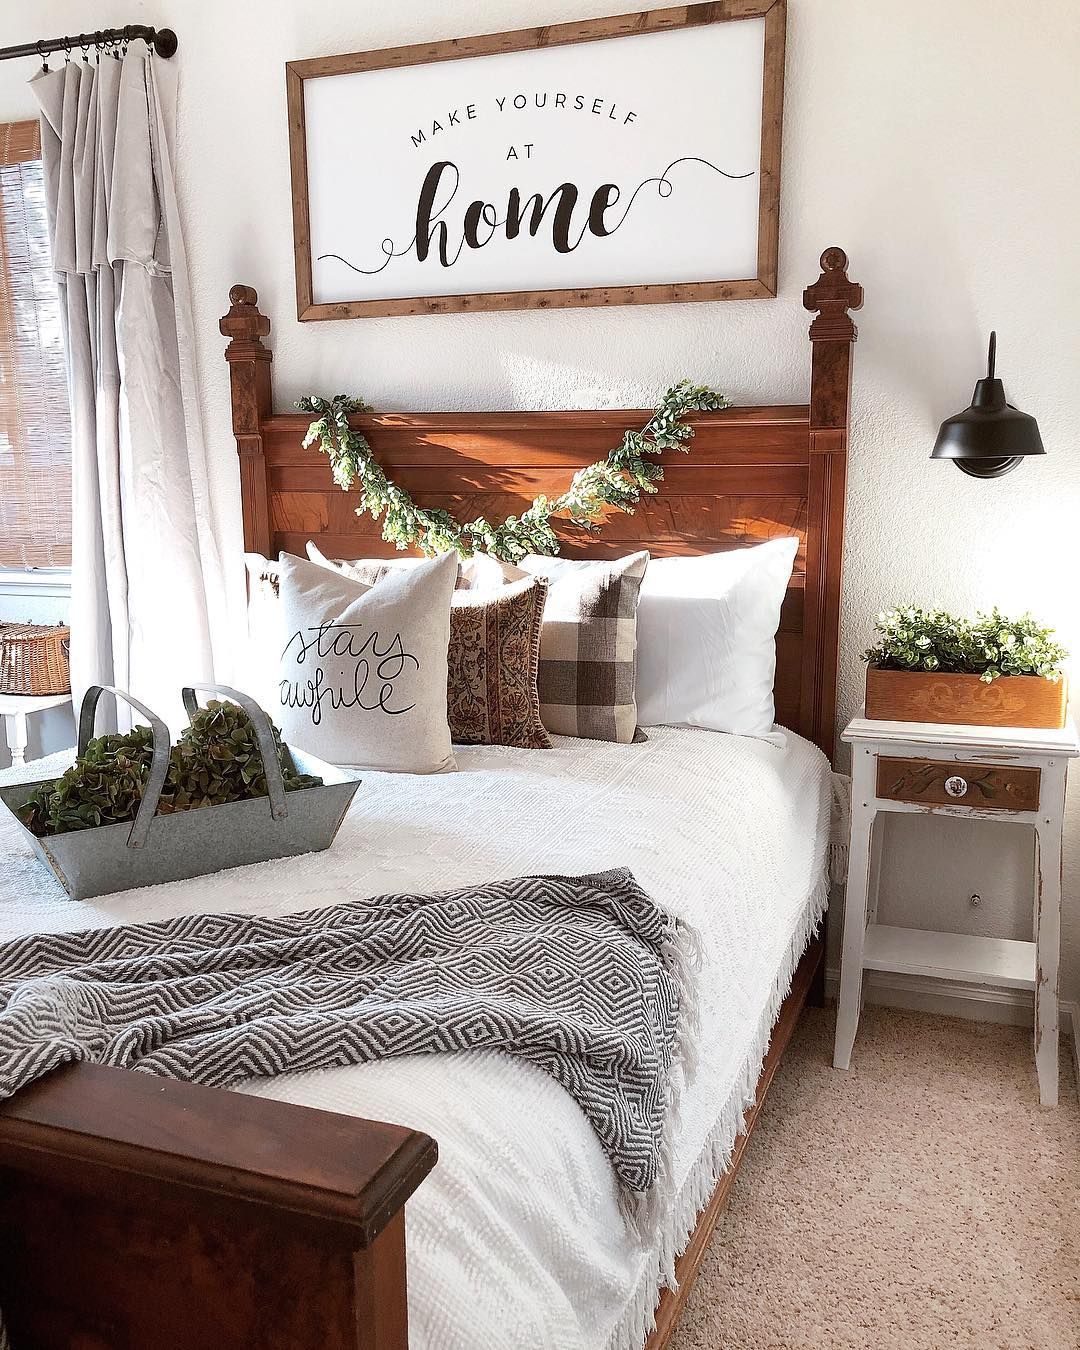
<point x="494" y="654"/>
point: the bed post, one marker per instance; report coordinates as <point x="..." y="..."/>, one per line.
<point x="832" y="334"/>
<point x="249" y="378"/>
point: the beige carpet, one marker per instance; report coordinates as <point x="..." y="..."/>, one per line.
<point x="922" y="1200"/>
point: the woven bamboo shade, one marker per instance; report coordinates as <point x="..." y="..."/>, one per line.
<point x="35" y="426"/>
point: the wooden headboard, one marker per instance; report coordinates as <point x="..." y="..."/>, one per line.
<point x="752" y="474"/>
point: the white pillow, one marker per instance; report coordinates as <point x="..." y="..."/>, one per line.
<point x="707" y="638"/>
<point x="362" y="679"/>
<point x="258" y="657"/>
<point x="479" y="572"/>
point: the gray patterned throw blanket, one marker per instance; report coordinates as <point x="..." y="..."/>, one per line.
<point x="584" y="976"/>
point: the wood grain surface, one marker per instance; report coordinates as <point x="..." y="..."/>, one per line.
<point x="964" y="700"/>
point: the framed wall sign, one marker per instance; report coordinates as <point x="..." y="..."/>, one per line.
<point x="621" y="161"/>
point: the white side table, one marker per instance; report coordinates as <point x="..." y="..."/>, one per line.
<point x="980" y="773"/>
<point x="15" y="708"/>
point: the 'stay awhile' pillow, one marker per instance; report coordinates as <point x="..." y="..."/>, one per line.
<point x="707" y="638"/>
<point x="588" y="646"/>
<point x="362" y="679"/>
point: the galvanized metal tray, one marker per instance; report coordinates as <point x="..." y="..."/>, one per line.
<point x="193" y="843"/>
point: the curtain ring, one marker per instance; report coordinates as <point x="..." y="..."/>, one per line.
<point x="67" y="53"/>
<point x="44" y="57"/>
<point x="85" y="52"/>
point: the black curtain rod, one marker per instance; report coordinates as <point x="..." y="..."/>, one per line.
<point x="163" y="41"/>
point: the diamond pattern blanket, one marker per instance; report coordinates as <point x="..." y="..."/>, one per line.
<point x="583" y="976"/>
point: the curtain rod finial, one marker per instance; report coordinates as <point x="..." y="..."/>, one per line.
<point x="165" y="42"/>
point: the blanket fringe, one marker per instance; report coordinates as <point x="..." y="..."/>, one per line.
<point x="639" y="1318"/>
<point x="643" y="1211"/>
<point x="841" y="825"/>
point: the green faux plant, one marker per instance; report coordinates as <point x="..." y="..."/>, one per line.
<point x="990" y="645"/>
<point x="216" y="760"/>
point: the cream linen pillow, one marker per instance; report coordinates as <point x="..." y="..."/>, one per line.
<point x="362" y="678"/>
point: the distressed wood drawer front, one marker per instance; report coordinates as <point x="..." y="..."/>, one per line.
<point x="927" y="782"/>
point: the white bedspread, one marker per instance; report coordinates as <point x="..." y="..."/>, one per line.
<point x="516" y="1240"/>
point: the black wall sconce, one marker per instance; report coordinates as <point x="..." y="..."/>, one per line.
<point x="991" y="437"/>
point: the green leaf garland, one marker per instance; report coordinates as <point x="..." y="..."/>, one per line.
<point x="617" y="481"/>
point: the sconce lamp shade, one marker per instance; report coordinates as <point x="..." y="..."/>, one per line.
<point x="991" y="437"/>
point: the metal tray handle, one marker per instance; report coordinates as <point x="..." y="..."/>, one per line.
<point x="159" y="765"/>
<point x="275" y="783"/>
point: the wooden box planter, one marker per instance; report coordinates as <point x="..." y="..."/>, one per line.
<point x="965" y="700"/>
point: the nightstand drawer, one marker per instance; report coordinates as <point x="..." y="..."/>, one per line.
<point x="929" y="782"/>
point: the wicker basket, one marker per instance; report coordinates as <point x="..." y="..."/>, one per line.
<point x="34" y="659"/>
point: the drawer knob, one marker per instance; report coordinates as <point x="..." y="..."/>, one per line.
<point x="956" y="786"/>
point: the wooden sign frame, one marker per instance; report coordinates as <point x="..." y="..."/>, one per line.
<point x="763" y="285"/>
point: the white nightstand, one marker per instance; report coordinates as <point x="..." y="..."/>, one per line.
<point x="983" y="773"/>
<point x="15" y="708"/>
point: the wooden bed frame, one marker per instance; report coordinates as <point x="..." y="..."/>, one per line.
<point x="143" y="1214"/>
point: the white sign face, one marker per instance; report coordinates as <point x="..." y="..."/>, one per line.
<point x="623" y="162"/>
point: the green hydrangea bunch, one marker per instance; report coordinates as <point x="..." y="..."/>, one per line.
<point x="990" y="645"/>
<point x="103" y="786"/>
<point x="216" y="760"/>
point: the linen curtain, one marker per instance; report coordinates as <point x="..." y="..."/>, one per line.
<point x="147" y="598"/>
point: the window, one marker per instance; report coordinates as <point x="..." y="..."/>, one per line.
<point x="35" y="425"/>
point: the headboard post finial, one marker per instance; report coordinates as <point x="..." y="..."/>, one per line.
<point x="244" y="324"/>
<point x="832" y="295"/>
<point x="252" y="403"/>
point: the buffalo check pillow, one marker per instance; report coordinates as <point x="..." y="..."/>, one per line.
<point x="588" y="646"/>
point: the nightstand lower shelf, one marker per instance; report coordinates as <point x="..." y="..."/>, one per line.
<point x="950" y="956"/>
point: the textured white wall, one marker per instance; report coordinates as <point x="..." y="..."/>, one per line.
<point x="931" y="141"/>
